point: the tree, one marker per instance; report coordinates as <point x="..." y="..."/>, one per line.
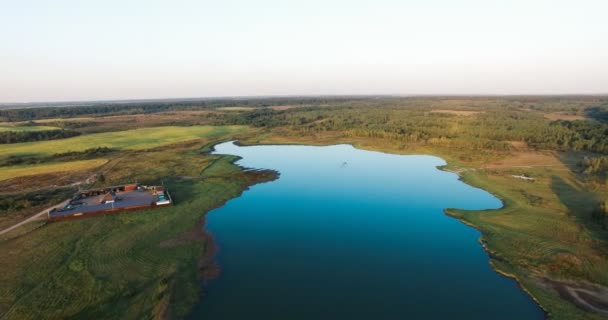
<point x="601" y="214"/>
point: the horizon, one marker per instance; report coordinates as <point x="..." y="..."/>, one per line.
<point x="58" y="103"/>
<point x="16" y="104"/>
<point x="68" y="51"/>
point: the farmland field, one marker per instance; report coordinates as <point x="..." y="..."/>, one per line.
<point x="30" y="170"/>
<point x="128" y="140"/>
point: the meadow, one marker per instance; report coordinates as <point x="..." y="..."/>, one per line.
<point x="127" y="265"/>
<point x="137" y="139"/>
<point x="31" y="170"/>
<point x="119" y="266"/>
<point x="546" y="230"/>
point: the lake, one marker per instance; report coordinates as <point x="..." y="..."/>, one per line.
<point x="352" y="234"/>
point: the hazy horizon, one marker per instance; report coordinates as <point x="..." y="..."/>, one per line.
<point x="17" y="104"/>
<point x="109" y="50"/>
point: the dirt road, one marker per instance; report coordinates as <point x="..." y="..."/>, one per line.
<point x="39" y="215"/>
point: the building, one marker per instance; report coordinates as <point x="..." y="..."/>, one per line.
<point x="112" y="199"/>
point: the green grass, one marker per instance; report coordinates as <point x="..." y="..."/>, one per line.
<point x="123" y="140"/>
<point x="10" y="127"/>
<point x="15" y="208"/>
<point x="29" y="170"/>
<point x="544" y="230"/>
<point x="114" y="267"/>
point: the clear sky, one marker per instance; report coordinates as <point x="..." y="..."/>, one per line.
<point x="124" y="49"/>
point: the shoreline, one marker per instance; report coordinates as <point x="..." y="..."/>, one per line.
<point x="492" y="255"/>
<point x="208" y="267"/>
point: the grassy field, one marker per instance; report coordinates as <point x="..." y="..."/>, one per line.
<point x="24" y="186"/>
<point x="544" y="231"/>
<point x="88" y="125"/>
<point x="125" y="265"/>
<point x="15" y="208"/>
<point x="30" y="170"/>
<point x="124" y="140"/>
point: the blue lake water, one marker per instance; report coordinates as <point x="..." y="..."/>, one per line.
<point x="352" y="234"/>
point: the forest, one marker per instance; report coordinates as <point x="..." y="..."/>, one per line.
<point x="490" y="129"/>
<point x="28" y="136"/>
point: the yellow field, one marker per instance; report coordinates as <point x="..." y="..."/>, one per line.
<point x="29" y="170"/>
<point x="12" y="127"/>
<point x="562" y="116"/>
<point x="236" y="108"/>
<point x="76" y="119"/>
<point x="131" y="139"/>
<point x="455" y="112"/>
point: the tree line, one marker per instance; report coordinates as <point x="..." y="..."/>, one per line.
<point x="28" y="136"/>
<point x="492" y="129"/>
<point x="33" y="113"/>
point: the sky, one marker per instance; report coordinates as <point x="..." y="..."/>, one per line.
<point x="64" y="50"/>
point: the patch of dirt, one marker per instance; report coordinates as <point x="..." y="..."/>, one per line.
<point x="236" y="108"/>
<point x="277" y="108"/>
<point x="456" y="112"/>
<point x="282" y="107"/>
<point x="44" y="181"/>
<point x="185" y="113"/>
<point x="519" y="145"/>
<point x="587" y="296"/>
<point x="527" y="159"/>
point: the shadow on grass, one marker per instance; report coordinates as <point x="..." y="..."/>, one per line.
<point x="572" y="160"/>
<point x="181" y="190"/>
<point x="580" y="204"/>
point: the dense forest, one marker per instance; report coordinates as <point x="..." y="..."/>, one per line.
<point x="28" y="136"/>
<point x="488" y="129"/>
<point x="578" y="135"/>
<point x="599" y="113"/>
<point x="596" y="166"/>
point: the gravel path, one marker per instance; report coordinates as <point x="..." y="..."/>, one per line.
<point x="38" y="215"/>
